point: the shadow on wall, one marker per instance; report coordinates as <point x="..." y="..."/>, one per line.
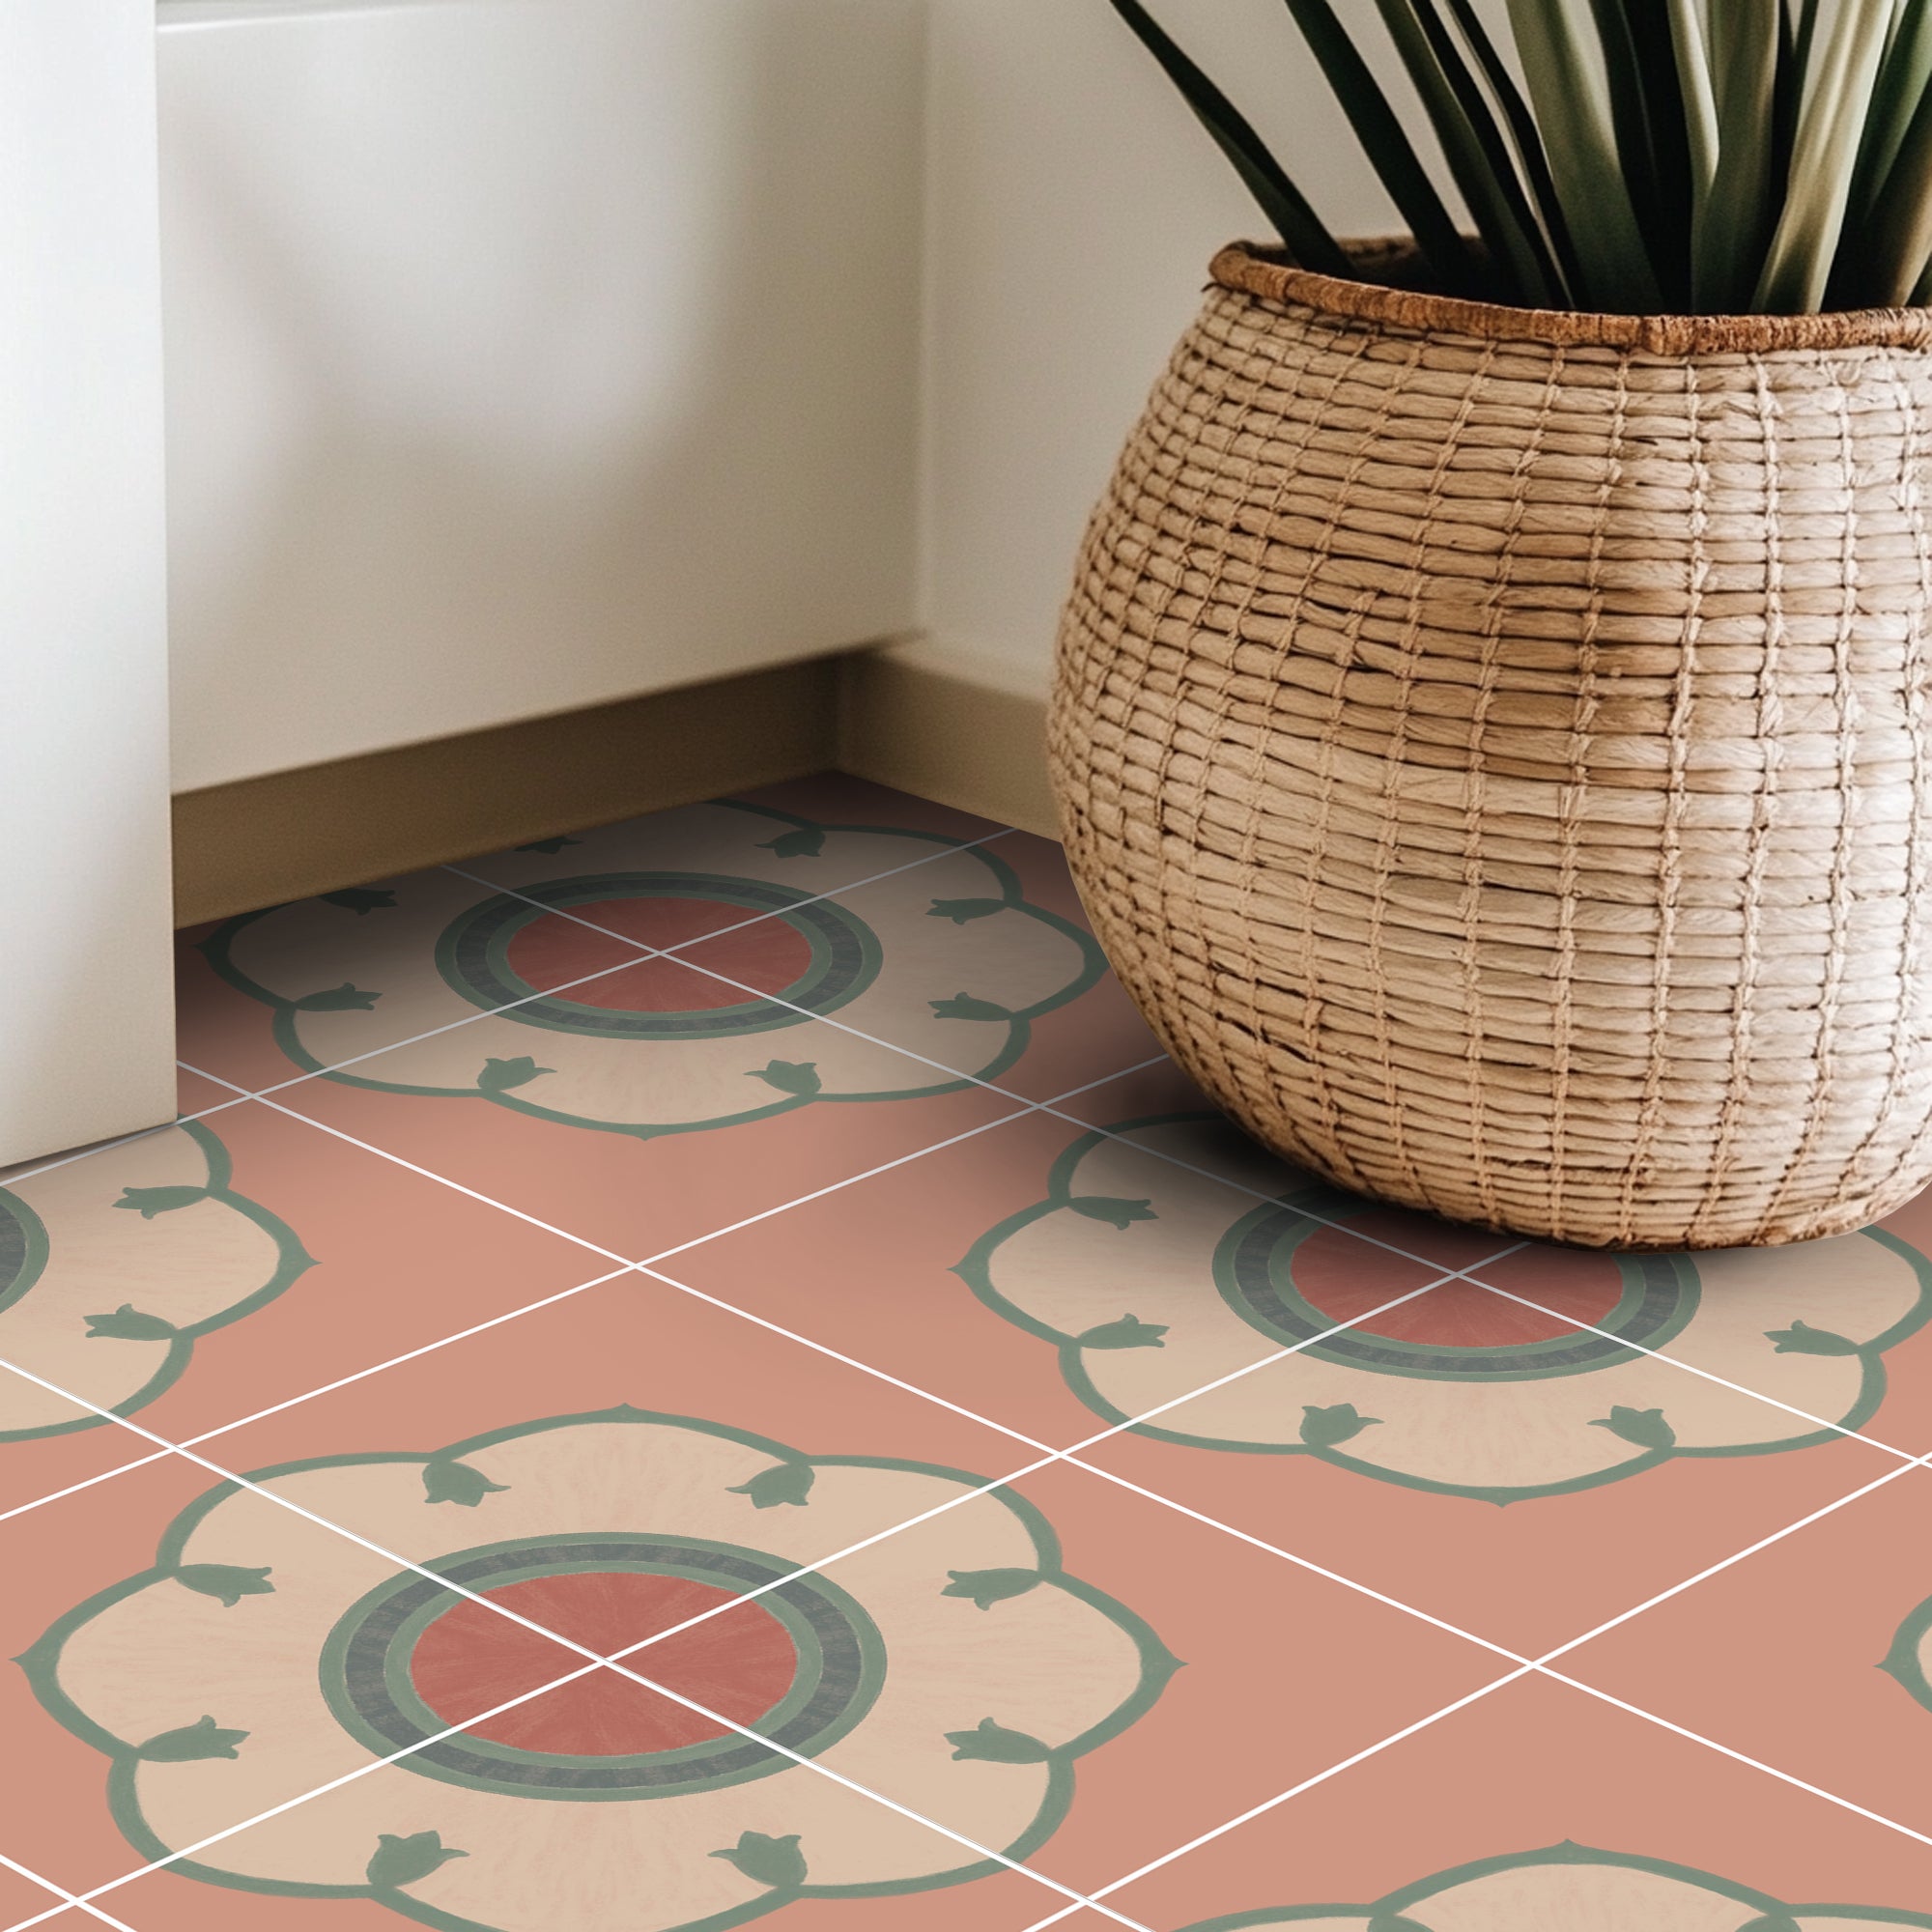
<point x="525" y="353"/>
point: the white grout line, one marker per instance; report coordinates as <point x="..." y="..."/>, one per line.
<point x="1294" y="1791"/>
<point x="1690" y="1368"/>
<point x="62" y="1893"/>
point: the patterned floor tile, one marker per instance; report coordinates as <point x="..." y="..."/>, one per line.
<point x="985" y="965"/>
<point x="1540" y="1809"/>
<point x="1083" y="1672"/>
<point x="21" y="1899"/>
<point x="199" y="1274"/>
<point x="622" y="1462"/>
<point x="1812" y="1656"/>
<point x="1194" y="1131"/>
<point x="1841" y="1329"/>
<point x="1493" y="1466"/>
<point x="1055" y="1282"/>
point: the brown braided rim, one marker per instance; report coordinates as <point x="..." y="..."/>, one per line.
<point x="1254" y="270"/>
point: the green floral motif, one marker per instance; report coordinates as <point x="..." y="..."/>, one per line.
<point x="438" y="1865"/>
<point x="1152" y="1279"/>
<point x="1620" y="1892"/>
<point x="134" y="1350"/>
<point x="1021" y="961"/>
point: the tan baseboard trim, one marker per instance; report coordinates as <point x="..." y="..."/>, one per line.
<point x="262" y="840"/>
<point x="917" y="717"/>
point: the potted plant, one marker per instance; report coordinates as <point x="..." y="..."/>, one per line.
<point x="1492" y="716"/>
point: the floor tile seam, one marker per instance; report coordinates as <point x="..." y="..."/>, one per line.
<point x="287" y="1403"/>
<point x="1736" y="1755"/>
<point x="468" y="1019"/>
<point x="1073" y="1119"/>
<point x="593" y="1659"/>
<point x="668" y="952"/>
<point x="115" y="1142"/>
<point x="1706" y="1375"/>
<point x="65" y="1900"/>
<point x="1394" y="1741"/>
<point x="1730" y="1562"/>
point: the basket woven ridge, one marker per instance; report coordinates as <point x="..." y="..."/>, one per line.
<point x="1497" y="763"/>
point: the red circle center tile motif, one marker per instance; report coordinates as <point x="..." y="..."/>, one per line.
<point x="738" y="1664"/>
<point x="765" y="956"/>
<point x="1330" y="1276"/>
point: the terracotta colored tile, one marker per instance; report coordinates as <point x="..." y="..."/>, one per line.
<point x="1837" y="1329"/>
<point x="199" y="1274"/>
<point x="1809" y="1657"/>
<point x="1484" y="1461"/>
<point x="1194" y="1130"/>
<point x="18" y="1898"/>
<point x="1033" y="1632"/>
<point x="195" y="1095"/>
<point x="974" y="1271"/>
<point x="1582" y="1815"/>
<point x="640" y="1142"/>
<point x="625" y="1457"/>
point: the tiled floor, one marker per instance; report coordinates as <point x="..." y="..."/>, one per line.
<point x="709" y="1371"/>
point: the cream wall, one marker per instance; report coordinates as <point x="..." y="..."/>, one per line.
<point x="85" y="1028"/>
<point x="1073" y="205"/>
<point x="528" y="354"/>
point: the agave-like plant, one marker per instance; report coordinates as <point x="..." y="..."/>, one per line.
<point x="1704" y="156"/>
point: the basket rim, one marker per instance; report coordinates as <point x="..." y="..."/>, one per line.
<point x="1252" y="268"/>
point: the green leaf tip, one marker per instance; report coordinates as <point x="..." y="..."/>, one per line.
<point x="1644" y="1426"/>
<point x="797" y="1077"/>
<point x="962" y="911"/>
<point x="148" y="1201"/>
<point x="227" y="1581"/>
<point x="499" y="1076"/>
<point x="1326" y="1427"/>
<point x="361" y="900"/>
<point x="987" y="1587"/>
<point x="964" y="1007"/>
<point x="457" y="1483"/>
<point x="203" y="1739"/>
<point x="1801" y="1339"/>
<point x="127" y="1323"/>
<point x="1128" y="1332"/>
<point x="805" y="842"/>
<point x="1121" y="1214"/>
<point x="776" y="1862"/>
<point x="342" y="999"/>
<point x="994" y="1743"/>
<point x="402" y="1860"/>
<point x="784" y="1483"/>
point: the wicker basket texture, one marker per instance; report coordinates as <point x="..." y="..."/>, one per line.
<point x="1492" y="747"/>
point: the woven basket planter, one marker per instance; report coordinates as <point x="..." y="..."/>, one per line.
<point x="1492" y="747"/>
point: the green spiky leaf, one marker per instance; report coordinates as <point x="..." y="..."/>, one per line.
<point x="342" y="999"/>
<point x="361" y="900"/>
<point x="987" y="1587"/>
<point x="499" y="1076"/>
<point x="148" y="1201"/>
<point x="807" y="842"/>
<point x="783" y="1483"/>
<point x="1128" y="1332"/>
<point x="128" y="1325"/>
<point x="400" y="1861"/>
<point x="797" y="1077"/>
<point x="204" y="1738"/>
<point x="1326" y="1427"/>
<point x="776" y="1862"/>
<point x="1645" y="1427"/>
<point x="227" y="1583"/>
<point x="994" y="1743"/>
<point x="1116" y="1213"/>
<point x="962" y="911"/>
<point x="446" y="1482"/>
